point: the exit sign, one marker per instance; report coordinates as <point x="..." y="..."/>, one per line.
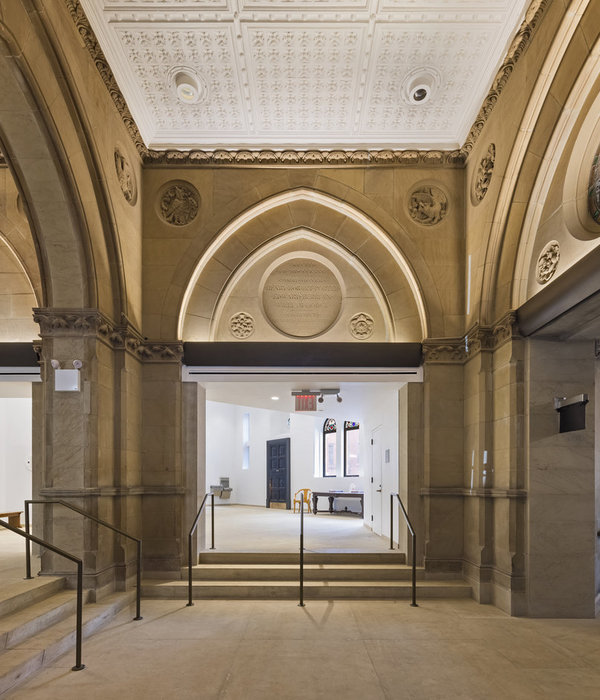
<point x="306" y="402"/>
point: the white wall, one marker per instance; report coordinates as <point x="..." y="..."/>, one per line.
<point x="224" y="449"/>
<point x="15" y="452"/>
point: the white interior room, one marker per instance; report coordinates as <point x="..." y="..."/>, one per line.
<point x="242" y="416"/>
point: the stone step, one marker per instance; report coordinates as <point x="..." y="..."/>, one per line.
<point x="288" y="590"/>
<point x="19" y="626"/>
<point x="323" y="557"/>
<point x="22" y="660"/>
<point x="312" y="572"/>
<point x="18" y="595"/>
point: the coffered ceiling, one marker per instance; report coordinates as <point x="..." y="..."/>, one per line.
<point x="300" y="74"/>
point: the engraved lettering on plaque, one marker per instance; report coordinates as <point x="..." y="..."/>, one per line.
<point x="302" y="298"/>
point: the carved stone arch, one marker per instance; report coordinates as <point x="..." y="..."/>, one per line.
<point x="37" y="169"/>
<point x="496" y="291"/>
<point x="572" y="148"/>
<point x="338" y="226"/>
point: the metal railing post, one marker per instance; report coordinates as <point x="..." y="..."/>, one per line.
<point x="414" y="550"/>
<point x="391" y="521"/>
<point x="301" y="603"/>
<point x="78" y="665"/>
<point x="138" y="578"/>
<point x="190" y="548"/>
<point x="212" y="520"/>
<point x="27" y="544"/>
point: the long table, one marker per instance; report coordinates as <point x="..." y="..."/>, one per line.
<point x="332" y="495"/>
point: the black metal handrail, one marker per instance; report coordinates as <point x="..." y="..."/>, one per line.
<point x="138" y="542"/>
<point x="301" y="603"/>
<point x="191" y="535"/>
<point x="414" y="543"/>
<point x="78" y="665"/>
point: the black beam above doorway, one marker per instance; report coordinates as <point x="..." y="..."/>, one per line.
<point x="302" y="354"/>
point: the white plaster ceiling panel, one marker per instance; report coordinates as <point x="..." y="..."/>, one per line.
<point x="305" y="73"/>
<point x="454" y="51"/>
<point x="303" y="78"/>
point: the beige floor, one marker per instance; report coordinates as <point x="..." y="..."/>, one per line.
<point x="263" y="650"/>
<point x="254" y="529"/>
<point x="242" y="650"/>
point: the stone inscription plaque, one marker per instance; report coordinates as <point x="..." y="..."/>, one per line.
<point x="302" y="297"/>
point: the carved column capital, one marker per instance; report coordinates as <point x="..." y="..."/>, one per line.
<point x="444" y="351"/>
<point x="61" y="323"/>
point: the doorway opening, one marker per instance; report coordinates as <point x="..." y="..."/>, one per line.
<point x="247" y="419"/>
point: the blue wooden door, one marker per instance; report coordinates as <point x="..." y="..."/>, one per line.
<point x="278" y="472"/>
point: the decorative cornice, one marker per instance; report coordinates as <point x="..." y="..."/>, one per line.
<point x="287" y="158"/>
<point x="520" y="43"/>
<point x="122" y="336"/>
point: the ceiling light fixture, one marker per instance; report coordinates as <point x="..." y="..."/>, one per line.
<point x="420" y="84"/>
<point x="274" y="398"/>
<point x="190" y="88"/>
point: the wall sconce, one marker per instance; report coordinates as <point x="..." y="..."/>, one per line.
<point x="66" y="379"/>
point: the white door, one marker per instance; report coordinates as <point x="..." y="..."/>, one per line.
<point x="376" y="480"/>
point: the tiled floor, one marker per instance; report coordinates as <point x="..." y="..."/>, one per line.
<point x="365" y="650"/>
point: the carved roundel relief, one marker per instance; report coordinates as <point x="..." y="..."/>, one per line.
<point x="547" y="262"/>
<point x="361" y="326"/>
<point x="178" y="203"/>
<point x="594" y="189"/>
<point x="427" y="205"/>
<point x="483" y="176"/>
<point x="125" y="175"/>
<point x="241" y="325"/>
<point x="301" y="297"/>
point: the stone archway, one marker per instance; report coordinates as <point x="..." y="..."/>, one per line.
<point x="39" y="175"/>
<point x="336" y="229"/>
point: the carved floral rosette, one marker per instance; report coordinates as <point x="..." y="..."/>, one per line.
<point x="483" y="176"/>
<point x="241" y="325"/>
<point x="547" y="262"/>
<point x="427" y="205"/>
<point x="361" y="326"/>
<point x="179" y="203"/>
<point x="125" y="176"/>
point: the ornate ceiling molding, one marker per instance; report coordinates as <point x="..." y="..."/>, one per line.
<point x="317" y="157"/>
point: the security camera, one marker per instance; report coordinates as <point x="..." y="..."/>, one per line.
<point x="78" y="364"/>
<point x="55" y="364"/>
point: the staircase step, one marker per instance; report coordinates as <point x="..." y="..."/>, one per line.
<point x="312" y="572"/>
<point x="322" y="557"/>
<point x="20" y="661"/>
<point x="20" y="594"/>
<point x="286" y="590"/>
<point x="21" y="625"/>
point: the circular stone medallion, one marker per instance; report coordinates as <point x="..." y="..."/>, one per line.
<point x="179" y="203"/>
<point x="302" y="297"/>
<point x="547" y="262"/>
<point x="594" y="189"/>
